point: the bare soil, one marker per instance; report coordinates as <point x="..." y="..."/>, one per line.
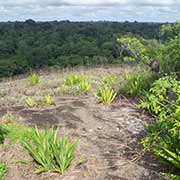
<point x="109" y="137"/>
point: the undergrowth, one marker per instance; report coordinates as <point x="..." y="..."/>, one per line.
<point x="163" y="101"/>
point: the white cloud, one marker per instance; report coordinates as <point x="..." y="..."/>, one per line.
<point x="120" y="10"/>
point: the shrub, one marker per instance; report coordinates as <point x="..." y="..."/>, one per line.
<point x="105" y="95"/>
<point x="137" y="84"/>
<point x="163" y="100"/>
<point x="33" y="79"/>
<point x="3" y="171"/>
<point x="51" y="153"/>
<point x="164" y="96"/>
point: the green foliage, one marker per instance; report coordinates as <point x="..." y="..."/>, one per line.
<point x="136" y="84"/>
<point x="163" y="100"/>
<point x="170" y="56"/>
<point x="3" y="171"/>
<point x="18" y="132"/>
<point x="170" y="30"/>
<point x="47" y="100"/>
<point x="77" y="84"/>
<point x="30" y="102"/>
<point x="132" y="46"/>
<point x="51" y="153"/>
<point x="3" y="132"/>
<point x="105" y="94"/>
<point x="73" y="80"/>
<point x="111" y="80"/>
<point x="84" y="87"/>
<point x="164" y="96"/>
<point x="27" y="45"/>
<point x="33" y="79"/>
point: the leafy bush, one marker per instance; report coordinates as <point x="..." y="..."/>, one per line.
<point x="133" y="47"/>
<point x="163" y="100"/>
<point x="170" y="56"/>
<point x="164" y="96"/>
<point x="3" y="171"/>
<point x="33" y="79"/>
<point x="136" y="84"/>
<point x="105" y="95"/>
<point x="51" y="153"/>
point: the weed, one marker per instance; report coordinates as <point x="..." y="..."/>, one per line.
<point x="76" y="84"/>
<point x="33" y="79"/>
<point x="136" y="84"/>
<point x="83" y="87"/>
<point x="51" y="153"/>
<point x="73" y="80"/>
<point x="110" y="80"/>
<point x="30" y="102"/>
<point x="47" y="100"/>
<point x="105" y="94"/>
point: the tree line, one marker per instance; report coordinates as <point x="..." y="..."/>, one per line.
<point x="31" y="45"/>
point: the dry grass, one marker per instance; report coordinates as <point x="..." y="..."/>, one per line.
<point x="13" y="91"/>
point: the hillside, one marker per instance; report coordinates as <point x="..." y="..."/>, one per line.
<point x="109" y="135"/>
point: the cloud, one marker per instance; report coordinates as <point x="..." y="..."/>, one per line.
<point x="83" y="10"/>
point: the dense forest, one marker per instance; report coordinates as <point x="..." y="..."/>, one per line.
<point x="31" y="45"/>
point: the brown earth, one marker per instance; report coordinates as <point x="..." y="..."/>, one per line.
<point x="109" y="137"/>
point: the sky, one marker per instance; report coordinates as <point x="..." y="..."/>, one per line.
<point x="91" y="10"/>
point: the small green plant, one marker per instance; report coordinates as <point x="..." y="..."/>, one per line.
<point x="105" y="95"/>
<point x="50" y="152"/>
<point x="33" y="79"/>
<point x="48" y="100"/>
<point x="73" y="80"/>
<point x="3" y="171"/>
<point x="83" y="87"/>
<point x="76" y="84"/>
<point x="30" y="102"/>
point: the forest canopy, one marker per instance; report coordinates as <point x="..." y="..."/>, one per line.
<point x="31" y="45"/>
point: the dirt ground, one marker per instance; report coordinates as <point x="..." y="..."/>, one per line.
<point x="109" y="138"/>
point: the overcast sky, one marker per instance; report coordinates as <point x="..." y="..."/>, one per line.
<point x="90" y="10"/>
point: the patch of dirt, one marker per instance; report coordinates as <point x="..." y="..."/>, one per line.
<point x="109" y="139"/>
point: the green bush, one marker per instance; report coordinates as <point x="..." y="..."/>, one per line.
<point x="164" y="96"/>
<point x="50" y="152"/>
<point x="137" y="84"/>
<point x="163" y="100"/>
